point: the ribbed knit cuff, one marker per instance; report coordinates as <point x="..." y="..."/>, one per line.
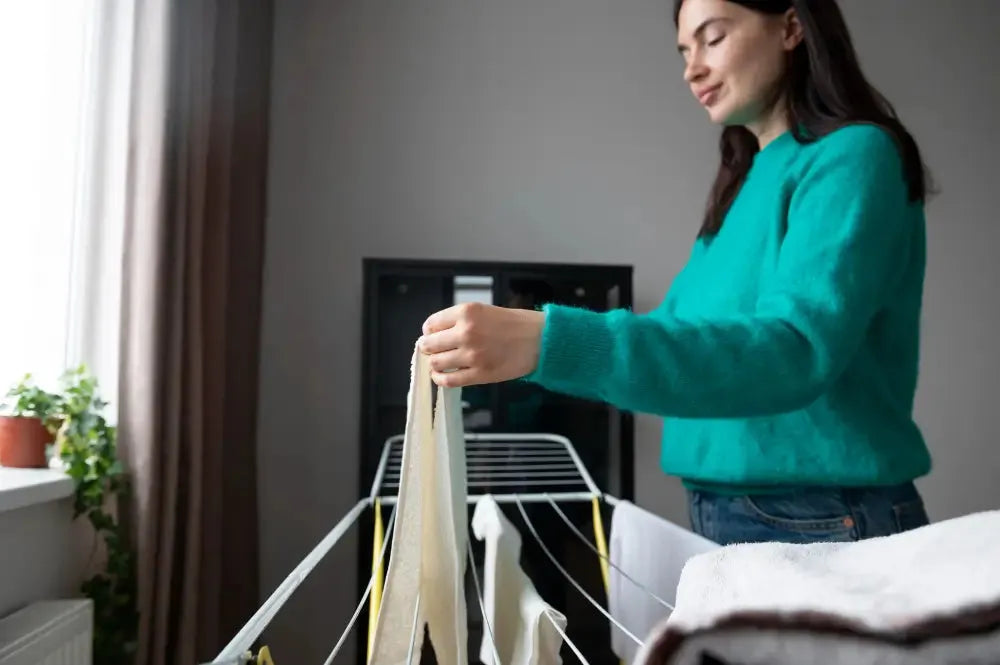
<point x="575" y="352"/>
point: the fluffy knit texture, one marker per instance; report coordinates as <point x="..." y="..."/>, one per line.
<point x="786" y="350"/>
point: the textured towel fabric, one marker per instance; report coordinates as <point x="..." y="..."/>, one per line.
<point x="930" y="595"/>
<point x="652" y="551"/>
<point x="515" y="613"/>
<point x="427" y="557"/>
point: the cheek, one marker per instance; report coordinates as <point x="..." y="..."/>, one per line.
<point x="749" y="80"/>
<point x="767" y="73"/>
<point x="736" y="67"/>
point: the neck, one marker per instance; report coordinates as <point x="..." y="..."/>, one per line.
<point x="770" y="125"/>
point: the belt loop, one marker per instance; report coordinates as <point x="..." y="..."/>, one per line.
<point x="852" y="498"/>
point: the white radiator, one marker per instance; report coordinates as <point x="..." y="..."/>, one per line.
<point x="52" y="632"/>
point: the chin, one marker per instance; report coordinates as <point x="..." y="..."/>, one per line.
<point x="721" y="112"/>
<point x="727" y="116"/>
<point x="718" y="116"/>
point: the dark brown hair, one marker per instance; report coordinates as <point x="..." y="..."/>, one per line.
<point x="825" y="90"/>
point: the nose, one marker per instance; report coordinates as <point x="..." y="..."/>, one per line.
<point x="695" y="70"/>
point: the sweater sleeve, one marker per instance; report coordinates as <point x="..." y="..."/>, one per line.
<point x="843" y="252"/>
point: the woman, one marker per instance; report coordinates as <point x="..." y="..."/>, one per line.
<point x="784" y="357"/>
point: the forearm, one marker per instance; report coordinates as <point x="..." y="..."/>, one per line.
<point x="741" y="367"/>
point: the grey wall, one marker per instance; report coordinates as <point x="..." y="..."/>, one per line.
<point x="560" y="130"/>
<point x="43" y="554"/>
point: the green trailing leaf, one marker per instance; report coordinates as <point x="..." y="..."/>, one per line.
<point x="86" y="445"/>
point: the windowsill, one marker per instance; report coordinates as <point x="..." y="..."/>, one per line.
<point x="26" y="487"/>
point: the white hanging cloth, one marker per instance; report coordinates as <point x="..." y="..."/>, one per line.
<point x="521" y="622"/>
<point x="648" y="554"/>
<point x="429" y="538"/>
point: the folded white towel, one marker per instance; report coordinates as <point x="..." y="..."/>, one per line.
<point x="520" y="620"/>
<point x="651" y="551"/>
<point x="930" y="595"/>
<point x="429" y="538"/>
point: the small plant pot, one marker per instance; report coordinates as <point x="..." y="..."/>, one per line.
<point x="23" y="441"/>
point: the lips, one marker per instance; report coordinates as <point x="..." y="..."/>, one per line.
<point x="707" y="95"/>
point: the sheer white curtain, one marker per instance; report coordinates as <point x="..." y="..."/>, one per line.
<point x="65" y="74"/>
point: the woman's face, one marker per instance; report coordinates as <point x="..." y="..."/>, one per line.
<point x="734" y="57"/>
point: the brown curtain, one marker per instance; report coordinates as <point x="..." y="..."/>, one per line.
<point x="190" y="312"/>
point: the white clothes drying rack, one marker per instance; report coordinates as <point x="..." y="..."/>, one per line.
<point x="513" y="469"/>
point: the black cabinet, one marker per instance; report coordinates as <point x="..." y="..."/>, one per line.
<point x="398" y="297"/>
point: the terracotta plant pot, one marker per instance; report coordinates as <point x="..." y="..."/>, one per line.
<point x="23" y="441"/>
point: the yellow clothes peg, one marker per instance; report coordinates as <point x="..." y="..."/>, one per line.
<point x="602" y="545"/>
<point x="264" y="657"/>
<point x="377" y="577"/>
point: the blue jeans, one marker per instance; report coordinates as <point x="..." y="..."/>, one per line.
<point x="806" y="515"/>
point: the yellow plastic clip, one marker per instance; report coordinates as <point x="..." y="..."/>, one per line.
<point x="264" y="657"/>
<point x="377" y="577"/>
<point x="602" y="545"/>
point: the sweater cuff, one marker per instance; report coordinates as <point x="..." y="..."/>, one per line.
<point x="575" y="352"/>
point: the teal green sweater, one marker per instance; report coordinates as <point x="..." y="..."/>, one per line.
<point x="785" y="352"/>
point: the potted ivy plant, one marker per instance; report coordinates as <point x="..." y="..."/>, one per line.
<point x="86" y="446"/>
<point x="28" y="420"/>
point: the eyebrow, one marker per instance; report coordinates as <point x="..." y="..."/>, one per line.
<point x="701" y="28"/>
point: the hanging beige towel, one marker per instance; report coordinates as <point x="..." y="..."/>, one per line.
<point x="429" y="538"/>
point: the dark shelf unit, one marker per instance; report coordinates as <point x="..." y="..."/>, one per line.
<point x="398" y="295"/>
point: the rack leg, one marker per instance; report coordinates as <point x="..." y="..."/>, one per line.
<point x="602" y="545"/>
<point x="377" y="577"/>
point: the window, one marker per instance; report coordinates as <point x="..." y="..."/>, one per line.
<point x="63" y="130"/>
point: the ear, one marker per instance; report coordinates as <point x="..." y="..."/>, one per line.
<point x="793" y="30"/>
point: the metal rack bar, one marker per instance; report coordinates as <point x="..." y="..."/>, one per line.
<point x="534" y="497"/>
<point x="480" y="596"/>
<point x="558" y="465"/>
<point x="241" y="643"/>
<point x="364" y="597"/>
<point x="569" y="578"/>
<point x="607" y="559"/>
<point x="503" y="464"/>
<point x="565" y="637"/>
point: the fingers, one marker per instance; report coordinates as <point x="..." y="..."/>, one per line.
<point x="441" y="342"/>
<point x="457" y="379"/>
<point x="448" y="318"/>
<point x="448" y="360"/>
<point x="448" y="338"/>
<point x="443" y="320"/>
